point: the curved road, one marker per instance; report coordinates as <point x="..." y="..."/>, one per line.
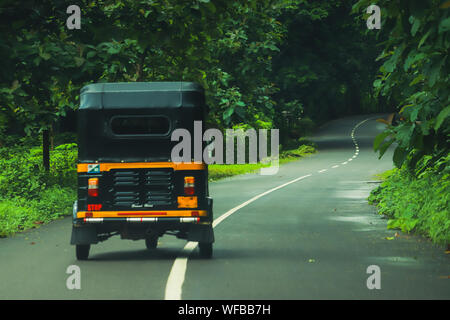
<point x="305" y="233"/>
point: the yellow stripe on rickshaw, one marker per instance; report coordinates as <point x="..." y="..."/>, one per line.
<point x="83" y="167"/>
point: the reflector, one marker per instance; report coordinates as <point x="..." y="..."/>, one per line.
<point x="189" y="183"/>
<point x="187" y="202"/>
<point x="93" y="187"/>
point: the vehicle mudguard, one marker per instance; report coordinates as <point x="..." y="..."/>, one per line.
<point x="201" y="233"/>
<point x="84" y="235"/>
<point x="210" y="208"/>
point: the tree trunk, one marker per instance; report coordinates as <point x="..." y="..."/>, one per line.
<point x="46" y="149"/>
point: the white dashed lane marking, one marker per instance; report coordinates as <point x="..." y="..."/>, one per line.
<point x="174" y="284"/>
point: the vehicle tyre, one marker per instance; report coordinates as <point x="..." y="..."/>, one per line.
<point x="82" y="251"/>
<point x="151" y="243"/>
<point x="206" y="249"/>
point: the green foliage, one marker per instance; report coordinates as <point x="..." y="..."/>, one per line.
<point x="15" y="216"/>
<point x="300" y="152"/>
<point x="417" y="202"/>
<point x="255" y="58"/>
<point x="22" y="173"/>
<point x="30" y="196"/>
<point x="20" y="213"/>
<point x="415" y="76"/>
<point x="220" y="171"/>
<point x="326" y="62"/>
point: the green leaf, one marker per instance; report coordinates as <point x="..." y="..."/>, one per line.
<point x="382" y="149"/>
<point x="413" y="57"/>
<point x="379" y="139"/>
<point x="441" y="117"/>
<point x="424" y="38"/>
<point x="227" y="114"/>
<point x="113" y="50"/>
<point x="444" y="26"/>
<point x="404" y="134"/>
<point x="415" y="26"/>
<point x="391" y="64"/>
<point x="435" y="72"/>
<point x="399" y="156"/>
<point x="377" y="83"/>
<point x="414" y="114"/>
<point x="240" y="112"/>
<point x="417" y="79"/>
<point x="79" y="61"/>
<point x="45" y="55"/>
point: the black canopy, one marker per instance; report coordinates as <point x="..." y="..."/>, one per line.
<point x="142" y="95"/>
<point x="104" y="104"/>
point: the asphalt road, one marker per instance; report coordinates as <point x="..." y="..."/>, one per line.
<point x="307" y="233"/>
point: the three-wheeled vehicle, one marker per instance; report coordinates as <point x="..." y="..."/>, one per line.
<point x="128" y="184"/>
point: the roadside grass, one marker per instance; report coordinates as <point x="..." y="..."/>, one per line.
<point x="416" y="204"/>
<point x="220" y="171"/>
<point x="20" y="214"/>
<point x="30" y="197"/>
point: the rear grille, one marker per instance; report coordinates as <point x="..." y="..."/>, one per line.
<point x="126" y="178"/>
<point x="125" y="198"/>
<point x="142" y="188"/>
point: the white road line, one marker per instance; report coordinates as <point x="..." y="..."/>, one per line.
<point x="177" y="273"/>
<point x="344" y="162"/>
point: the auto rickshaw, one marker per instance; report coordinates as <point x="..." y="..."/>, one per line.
<point x="128" y="184"/>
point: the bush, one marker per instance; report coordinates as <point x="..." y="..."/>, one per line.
<point x="22" y="173"/>
<point x="63" y="169"/>
<point x="15" y="216"/>
<point x="302" y="127"/>
<point x="30" y="196"/>
<point x="416" y="203"/>
<point x="300" y="152"/>
<point x="54" y="202"/>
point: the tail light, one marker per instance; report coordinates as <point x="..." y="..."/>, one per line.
<point x="93" y="187"/>
<point x="189" y="183"/>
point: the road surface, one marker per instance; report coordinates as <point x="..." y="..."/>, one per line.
<point x="305" y="233"/>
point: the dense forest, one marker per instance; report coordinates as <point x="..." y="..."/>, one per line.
<point x="287" y="64"/>
<point x="259" y="61"/>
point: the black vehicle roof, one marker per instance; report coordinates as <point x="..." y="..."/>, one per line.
<point x="135" y="95"/>
<point x="180" y="102"/>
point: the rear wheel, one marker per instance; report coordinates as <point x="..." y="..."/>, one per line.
<point x="82" y="251"/>
<point x="206" y="250"/>
<point x="151" y="243"/>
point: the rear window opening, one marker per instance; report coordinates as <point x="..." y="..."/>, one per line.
<point x="140" y="125"/>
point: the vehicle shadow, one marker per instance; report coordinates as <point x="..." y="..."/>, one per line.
<point x="137" y="255"/>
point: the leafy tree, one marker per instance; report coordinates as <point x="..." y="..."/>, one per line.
<point x="415" y="75"/>
<point x="326" y="62"/>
